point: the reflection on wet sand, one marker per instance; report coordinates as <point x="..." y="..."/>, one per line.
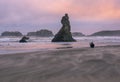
<point x="65" y="46"/>
<point x="100" y="64"/>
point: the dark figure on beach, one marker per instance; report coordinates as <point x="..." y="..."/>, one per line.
<point x="92" y="45"/>
<point x="24" y="39"/>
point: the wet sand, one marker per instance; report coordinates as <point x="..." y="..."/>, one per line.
<point x="101" y="64"/>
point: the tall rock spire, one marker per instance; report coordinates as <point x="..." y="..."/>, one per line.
<point x="64" y="34"/>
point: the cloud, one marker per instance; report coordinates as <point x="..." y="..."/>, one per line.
<point x="49" y="12"/>
<point x="17" y="10"/>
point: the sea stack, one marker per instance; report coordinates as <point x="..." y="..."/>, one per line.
<point x="24" y="39"/>
<point x="64" y="34"/>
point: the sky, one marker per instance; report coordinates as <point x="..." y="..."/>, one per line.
<point x="86" y="16"/>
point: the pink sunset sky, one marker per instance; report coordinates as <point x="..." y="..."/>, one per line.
<point x="86" y="16"/>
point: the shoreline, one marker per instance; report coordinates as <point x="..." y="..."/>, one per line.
<point x="54" y="49"/>
<point x="100" y="64"/>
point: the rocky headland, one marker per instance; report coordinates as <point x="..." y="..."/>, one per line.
<point x="8" y="33"/>
<point x="41" y="33"/>
<point x="78" y="34"/>
<point x="107" y="33"/>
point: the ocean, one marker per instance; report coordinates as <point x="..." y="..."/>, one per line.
<point x="12" y="45"/>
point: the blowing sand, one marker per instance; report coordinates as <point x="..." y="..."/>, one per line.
<point x="101" y="64"/>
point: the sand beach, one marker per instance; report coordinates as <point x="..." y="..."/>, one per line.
<point x="100" y="64"/>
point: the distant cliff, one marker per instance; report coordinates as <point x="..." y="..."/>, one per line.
<point x="41" y="33"/>
<point x="77" y="34"/>
<point x="107" y="33"/>
<point x="7" y="33"/>
<point x="31" y="34"/>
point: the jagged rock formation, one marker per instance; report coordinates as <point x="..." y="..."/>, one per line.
<point x="77" y="34"/>
<point x="41" y="33"/>
<point x="24" y="39"/>
<point x="31" y="34"/>
<point x="7" y="33"/>
<point x="64" y="34"/>
<point x="107" y="33"/>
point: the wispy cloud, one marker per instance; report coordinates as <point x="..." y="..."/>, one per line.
<point x="50" y="11"/>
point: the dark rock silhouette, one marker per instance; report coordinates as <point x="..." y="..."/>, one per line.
<point x="92" y="45"/>
<point x="24" y="39"/>
<point x="31" y="34"/>
<point x="41" y="33"/>
<point x="77" y="34"/>
<point x="107" y="33"/>
<point x="44" y="33"/>
<point x="7" y="33"/>
<point x="64" y="34"/>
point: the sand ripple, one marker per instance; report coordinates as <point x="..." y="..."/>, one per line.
<point x="101" y="64"/>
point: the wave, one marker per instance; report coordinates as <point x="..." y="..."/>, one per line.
<point x="48" y="39"/>
<point x="8" y="45"/>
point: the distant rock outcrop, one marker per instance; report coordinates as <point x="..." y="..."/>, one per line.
<point x="7" y="33"/>
<point x="31" y="34"/>
<point x="107" y="33"/>
<point x="77" y="34"/>
<point x="24" y="39"/>
<point x="41" y="33"/>
<point x="64" y="34"/>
